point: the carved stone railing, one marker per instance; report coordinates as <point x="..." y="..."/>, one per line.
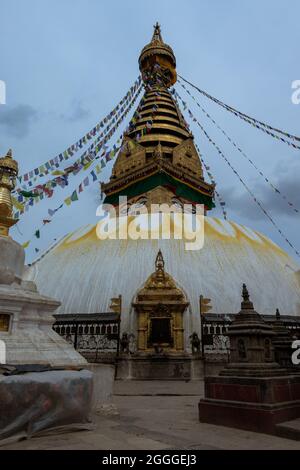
<point x="215" y="338"/>
<point x="95" y="336"/>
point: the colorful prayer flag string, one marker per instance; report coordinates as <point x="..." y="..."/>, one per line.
<point x="212" y="180"/>
<point x="266" y="128"/>
<point x="54" y="163"/>
<point x="83" y="163"/>
<point x="74" y="196"/>
<point x="257" y="202"/>
<point x="277" y="191"/>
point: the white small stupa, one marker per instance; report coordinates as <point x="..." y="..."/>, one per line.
<point x="26" y="319"/>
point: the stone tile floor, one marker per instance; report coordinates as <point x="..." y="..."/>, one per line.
<point x="155" y="416"/>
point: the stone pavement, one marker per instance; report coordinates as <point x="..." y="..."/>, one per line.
<point x="155" y="416"/>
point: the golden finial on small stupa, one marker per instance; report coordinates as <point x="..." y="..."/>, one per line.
<point x="160" y="265"/>
<point x="8" y="175"/>
<point x="246" y="303"/>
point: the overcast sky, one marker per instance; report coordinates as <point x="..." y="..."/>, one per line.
<point x="66" y="63"/>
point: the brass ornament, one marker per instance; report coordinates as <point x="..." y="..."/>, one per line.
<point x="160" y="300"/>
<point x="8" y="175"/>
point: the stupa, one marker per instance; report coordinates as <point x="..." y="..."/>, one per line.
<point x="26" y="317"/>
<point x="158" y="164"/>
<point x="252" y="391"/>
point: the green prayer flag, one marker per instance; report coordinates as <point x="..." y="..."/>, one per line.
<point x="74" y="196"/>
<point x="29" y="194"/>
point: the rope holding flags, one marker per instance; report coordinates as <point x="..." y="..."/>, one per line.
<point x="277" y="191"/>
<point x="83" y="163"/>
<point x="54" y="163"/>
<point x="74" y="196"/>
<point x="266" y="128"/>
<point x="212" y="180"/>
<point x="257" y="202"/>
<point x="148" y="126"/>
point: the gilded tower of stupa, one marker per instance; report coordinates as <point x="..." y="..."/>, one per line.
<point x="158" y="162"/>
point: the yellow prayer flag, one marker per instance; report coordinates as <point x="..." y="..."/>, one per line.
<point x="68" y="201"/>
<point x="87" y="165"/>
<point x="17" y="204"/>
<point x="57" y="173"/>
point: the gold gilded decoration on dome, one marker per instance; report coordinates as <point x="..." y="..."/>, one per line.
<point x="158" y="153"/>
<point x="186" y="157"/>
<point x="159" y="306"/>
<point x="160" y="279"/>
<point x="8" y="175"/>
<point x="116" y="304"/>
<point x="131" y="158"/>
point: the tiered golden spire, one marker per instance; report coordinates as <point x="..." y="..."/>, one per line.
<point x="8" y="175"/>
<point x="158" y="146"/>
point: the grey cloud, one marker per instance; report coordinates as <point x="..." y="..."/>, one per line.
<point x="286" y="179"/>
<point x="16" y="120"/>
<point x="78" y="112"/>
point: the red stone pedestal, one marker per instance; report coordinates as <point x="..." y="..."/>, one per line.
<point x="251" y="403"/>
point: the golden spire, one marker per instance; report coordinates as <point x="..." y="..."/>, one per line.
<point x="162" y="152"/>
<point x="157" y="53"/>
<point x="8" y="175"/>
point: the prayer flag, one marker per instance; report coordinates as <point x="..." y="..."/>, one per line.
<point x="74" y="196"/>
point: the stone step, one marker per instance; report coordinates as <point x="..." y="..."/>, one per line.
<point x="289" y="429"/>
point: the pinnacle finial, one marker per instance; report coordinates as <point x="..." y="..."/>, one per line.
<point x="159" y="262"/>
<point x="246" y="303"/>
<point x="245" y="293"/>
<point x="277" y="314"/>
<point x="157" y="33"/>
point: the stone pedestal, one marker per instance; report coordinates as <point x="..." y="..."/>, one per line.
<point x="159" y="367"/>
<point x="253" y="391"/>
<point x="282" y="343"/>
<point x="26" y="317"/>
<point x="252" y="403"/>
